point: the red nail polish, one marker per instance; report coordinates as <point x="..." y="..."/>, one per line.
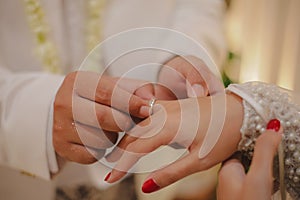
<point x="107" y="176"/>
<point x="150" y="186"/>
<point x="274" y="124"/>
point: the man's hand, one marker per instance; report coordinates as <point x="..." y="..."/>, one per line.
<point x="187" y="77"/>
<point x="90" y="110"/>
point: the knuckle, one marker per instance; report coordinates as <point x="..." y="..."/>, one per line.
<point x="103" y="95"/>
<point x="60" y="104"/>
<point x="102" y="115"/>
<point x="135" y="105"/>
<point x="64" y="95"/>
<point x="57" y="128"/>
<point x="71" y="76"/>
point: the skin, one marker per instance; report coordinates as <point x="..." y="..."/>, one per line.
<point x="234" y="184"/>
<point x="179" y="79"/>
<point x="189" y="164"/>
<point x="187" y="77"/>
<point x="109" y="103"/>
<point x="88" y="114"/>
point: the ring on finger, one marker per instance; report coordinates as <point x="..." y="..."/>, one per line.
<point x="151" y="104"/>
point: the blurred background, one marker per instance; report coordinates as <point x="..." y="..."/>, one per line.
<point x="264" y="42"/>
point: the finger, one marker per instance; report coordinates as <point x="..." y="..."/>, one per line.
<point x="172" y="78"/>
<point x="231" y="178"/>
<point x="197" y="75"/>
<point x="264" y="151"/>
<point x="145" y="91"/>
<point x="162" y="92"/>
<point x="133" y="151"/>
<point x="78" y="153"/>
<point x="170" y="174"/>
<point x="105" y="90"/>
<point x="139" y="88"/>
<point x="194" y="74"/>
<point x="196" y="90"/>
<point x="92" y="137"/>
<point x="260" y="175"/>
<point x="146" y="131"/>
<point x="100" y="116"/>
<point x="132" y="85"/>
<point x="118" y="151"/>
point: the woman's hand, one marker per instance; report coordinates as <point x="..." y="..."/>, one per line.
<point x="184" y="123"/>
<point x="234" y="184"/>
<point x="90" y="110"/>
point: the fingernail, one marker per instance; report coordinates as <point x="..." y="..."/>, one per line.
<point x="150" y="186"/>
<point x="198" y="89"/>
<point x="145" y="110"/>
<point x="195" y="91"/>
<point x="274" y="124"/>
<point x="107" y="176"/>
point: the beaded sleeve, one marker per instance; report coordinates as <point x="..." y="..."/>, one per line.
<point x="263" y="102"/>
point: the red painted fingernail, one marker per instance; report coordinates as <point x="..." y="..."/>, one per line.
<point x="150" y="186"/>
<point x="107" y="176"/>
<point x="274" y="124"/>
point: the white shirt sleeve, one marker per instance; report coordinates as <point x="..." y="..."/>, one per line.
<point x="203" y="21"/>
<point x="200" y="26"/>
<point x="24" y="113"/>
<point x="188" y="24"/>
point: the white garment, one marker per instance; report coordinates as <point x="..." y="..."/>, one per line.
<point x="27" y="92"/>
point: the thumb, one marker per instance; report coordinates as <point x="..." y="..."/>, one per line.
<point x="201" y="80"/>
<point x="260" y="175"/>
<point x="265" y="150"/>
<point x="231" y="178"/>
<point x="171" y="173"/>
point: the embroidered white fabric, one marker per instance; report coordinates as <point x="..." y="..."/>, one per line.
<point x="263" y="102"/>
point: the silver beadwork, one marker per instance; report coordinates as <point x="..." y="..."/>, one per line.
<point x="263" y="102"/>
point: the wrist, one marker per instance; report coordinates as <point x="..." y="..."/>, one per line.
<point x="234" y="118"/>
<point x="220" y="124"/>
